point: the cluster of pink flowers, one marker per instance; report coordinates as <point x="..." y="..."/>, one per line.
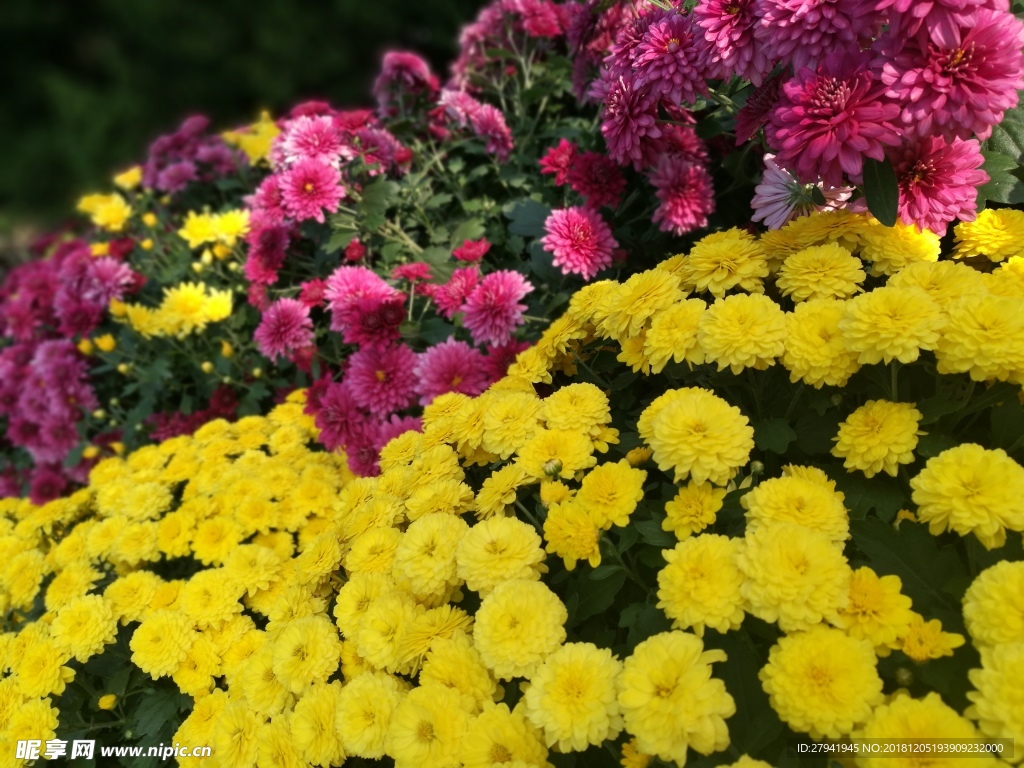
<point x="189" y="154"/>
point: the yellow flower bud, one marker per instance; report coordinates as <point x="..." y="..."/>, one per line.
<point x="257" y="372"/>
<point x="106" y="343"/>
<point x="118" y="308"/>
<point x="147" y="244"/>
<point x="90" y="452"/>
<point x="99" y="249"/>
<point x="197" y="266"/>
<point x="226" y="350"/>
<point x="124" y="368"/>
<point x="639" y="456"/>
<point x="99" y="413"/>
<point x="129" y="179"/>
<point x="149" y="219"/>
<point x="234" y="266"/>
<point x="221" y="251"/>
<point x="85" y="347"/>
<point x="207" y="257"/>
<point x="117" y="448"/>
<point x="207" y="367"/>
<point x="114" y="402"/>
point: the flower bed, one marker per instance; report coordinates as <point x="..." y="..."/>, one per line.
<point x="503" y="460"/>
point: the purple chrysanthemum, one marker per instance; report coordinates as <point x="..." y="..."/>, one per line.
<point x="284" y="327"/>
<point x="580" y="240"/>
<point x="598" y="179"/>
<point x="733" y="44"/>
<point x="938" y="181"/>
<point x="806" y="31"/>
<point x="381" y="377"/>
<point x="828" y="119"/>
<point x="492" y="311"/>
<point x="780" y="197"/>
<point x="451" y="366"/>
<point x="686" y="193"/>
<point x="668" y="60"/>
<point x="961" y="89"/>
<point x="629" y="116"/>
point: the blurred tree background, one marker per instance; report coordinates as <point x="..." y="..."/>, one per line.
<point x="86" y="86"/>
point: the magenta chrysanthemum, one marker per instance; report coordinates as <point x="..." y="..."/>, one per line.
<point x="733" y="44"/>
<point x="630" y="115"/>
<point x="284" y="327"/>
<point x="309" y="188"/>
<point x="348" y="290"/>
<point x="580" y="240"/>
<point x="961" y="89"/>
<point x="598" y="179"/>
<point x="806" y="31"/>
<point x="827" y="120"/>
<point x="489" y="123"/>
<point x="472" y="250"/>
<point x="686" y="193"/>
<point x="451" y="366"/>
<point x="938" y="181"/>
<point x="492" y="311"/>
<point x="450" y="297"/>
<point x="668" y="60"/>
<point x="402" y="73"/>
<point x="941" y="18"/>
<point x="311" y="138"/>
<point x="381" y="378"/>
<point x="336" y="414"/>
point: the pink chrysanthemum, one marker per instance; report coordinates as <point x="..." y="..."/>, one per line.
<point x="580" y="240"/>
<point x="416" y="271"/>
<point x="459" y="106"/>
<point x="311" y="138"/>
<point x="312" y="292"/>
<point x="362" y="448"/>
<point x="107" y="279"/>
<point x="942" y="19"/>
<point x="629" y="116"/>
<point x="733" y="44"/>
<point x="346" y="287"/>
<point x="450" y="297"/>
<point x="284" y="327"/>
<point x="758" y="109"/>
<point x="451" y="366"/>
<point x="668" y="61"/>
<point x="402" y="73"/>
<point x="806" y="31"/>
<point x="472" y="250"/>
<point x="558" y="160"/>
<point x="492" y="311"/>
<point x="780" y="197"/>
<point x="938" y="181"/>
<point x="961" y="89"/>
<point x="827" y="120"/>
<point x="335" y="412"/>
<point x="598" y="179"/>
<point x="686" y="192"/>
<point x="489" y="123"/>
<point x="309" y="188"/>
<point x="355" y="250"/>
<point x="381" y="377"/>
<point x="540" y="18"/>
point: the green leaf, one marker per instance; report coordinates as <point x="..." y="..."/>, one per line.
<point x="596" y="597"/>
<point x="1002" y="186"/>
<point x="934" y="408"/>
<point x="881" y="190"/>
<point x="814" y="432"/>
<point x="340" y="240"/>
<point x="755" y="724"/>
<point x="1008" y="136"/>
<point x="1007" y="425"/>
<point x="774" y="435"/>
<point x="934" y="443"/>
<point x="527" y="217"/>
<point x="434" y="330"/>
<point x="881" y="493"/>
<point x="467" y="230"/>
<point x="651" y="532"/>
<point x="377" y="197"/>
<point x="541" y="265"/>
<point x="155" y="711"/>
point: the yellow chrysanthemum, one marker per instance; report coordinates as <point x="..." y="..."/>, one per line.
<point x="822" y="681"/>
<point x="632" y="757"/>
<point x="821" y="272"/>
<point x="161" y="642"/>
<point x="41" y="671"/>
<point x="276" y="746"/>
<point x="670" y="702"/>
<point x="130" y="596"/>
<point x="994" y="605"/>
<point x="509" y="422"/>
<point x="233" y="734"/>
<point x="925" y="640"/>
<point x="313" y="724"/>
<point x="425" y="558"/>
<point x="256" y="139"/>
<point x="996" y="234"/>
<point x="572" y="534"/>
<point x="693" y="509"/>
<point x="969" y="489"/>
<point x="72" y="582"/>
<point x="722" y="261"/>
<point x="743" y="331"/>
<point x="673" y="335"/>
<point x="798" y="500"/>
<point x="631" y="304"/>
<point x="499" y="736"/>
<point x="945" y="281"/>
<point x="610" y="492"/>
<point x="890" y="249"/>
<point x="380" y="638"/>
<point x="891" y="323"/>
<point x="498" y="549"/>
<point x="211" y="597"/>
<point x="517" y="626"/>
<point x="794" y="576"/>
<point x="573" y="697"/>
<point x="110" y="212"/>
<point x="365" y="707"/>
<point x="553" y="453"/>
<point x="920" y="720"/>
<point x="581" y="407"/>
<point x="697" y="434"/>
<point x="984" y="338"/>
<point x="455" y="663"/>
<point x="498" y="491"/>
<point x="816" y="351"/>
<point x="83" y="626"/>
<point x="700" y="586"/>
<point x="877" y="611"/>
<point x="997" y="701"/>
<point x="878" y="437"/>
<point x="373" y="551"/>
<point x="427" y="728"/>
<point x="306" y="651"/>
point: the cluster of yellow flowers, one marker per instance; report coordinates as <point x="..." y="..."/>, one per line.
<point x="185" y="309"/>
<point x="110" y="212"/>
<point x="255" y="140"/>
<point x="223" y="229"/>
